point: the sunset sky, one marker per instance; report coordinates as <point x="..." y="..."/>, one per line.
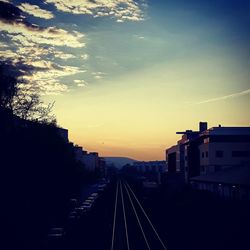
<point x="126" y="75"/>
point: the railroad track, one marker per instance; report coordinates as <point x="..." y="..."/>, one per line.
<point x="132" y="227"/>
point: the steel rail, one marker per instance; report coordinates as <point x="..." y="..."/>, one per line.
<point x="113" y="233"/>
<point x="138" y="220"/>
<point x="124" y="216"/>
<point x="126" y="184"/>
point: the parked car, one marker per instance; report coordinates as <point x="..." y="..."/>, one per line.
<point x="95" y="195"/>
<point x="87" y="205"/>
<point x="56" y="232"/>
<point x="102" y="185"/>
<point x="80" y="210"/>
<point x="91" y="198"/>
<point x="89" y="201"/>
<point x="100" y="189"/>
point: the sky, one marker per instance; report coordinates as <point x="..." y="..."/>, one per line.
<point x="126" y="75"/>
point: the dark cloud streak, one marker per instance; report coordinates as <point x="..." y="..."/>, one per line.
<point x="9" y="12"/>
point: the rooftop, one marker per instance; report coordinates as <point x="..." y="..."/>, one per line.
<point x="238" y="175"/>
<point x="227" y="131"/>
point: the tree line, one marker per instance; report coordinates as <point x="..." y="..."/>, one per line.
<point x="21" y="97"/>
<point x="38" y="170"/>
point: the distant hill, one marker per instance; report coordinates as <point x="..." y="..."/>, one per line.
<point x="119" y="162"/>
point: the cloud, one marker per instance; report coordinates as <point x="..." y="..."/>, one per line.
<point x="235" y="95"/>
<point x="62" y="55"/>
<point x="85" y="57"/>
<point x="47" y="77"/>
<point x="46" y="74"/>
<point x="3" y="45"/>
<point x="42" y="74"/>
<point x="14" y="70"/>
<point x="119" y="9"/>
<point x="98" y="75"/>
<point x="30" y="35"/>
<point x="80" y="83"/>
<point x="36" y="11"/>
<point x="26" y="33"/>
<point x="49" y="87"/>
<point x="9" y="12"/>
<point x="33" y="50"/>
<point x="139" y="37"/>
<point x="7" y="54"/>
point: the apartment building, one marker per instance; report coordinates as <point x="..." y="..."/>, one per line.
<point x="223" y="147"/>
<point x="209" y="150"/>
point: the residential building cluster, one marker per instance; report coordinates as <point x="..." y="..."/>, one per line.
<point x="150" y="166"/>
<point x="150" y="172"/>
<point x="90" y="161"/>
<point x="215" y="159"/>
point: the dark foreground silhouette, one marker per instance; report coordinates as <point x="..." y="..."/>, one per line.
<point x="38" y="176"/>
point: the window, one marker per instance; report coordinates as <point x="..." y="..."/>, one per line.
<point x="240" y="153"/>
<point x="202" y="155"/>
<point x="206" y="154"/>
<point x="219" y="153"/>
<point x="206" y="140"/>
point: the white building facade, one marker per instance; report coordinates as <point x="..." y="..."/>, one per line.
<point x="224" y="147"/>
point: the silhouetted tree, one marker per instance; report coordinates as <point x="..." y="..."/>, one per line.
<point x="22" y="98"/>
<point x="28" y="105"/>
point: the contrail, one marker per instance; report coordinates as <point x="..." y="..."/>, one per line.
<point x="245" y="92"/>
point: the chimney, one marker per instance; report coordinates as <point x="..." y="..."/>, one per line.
<point x="203" y="126"/>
